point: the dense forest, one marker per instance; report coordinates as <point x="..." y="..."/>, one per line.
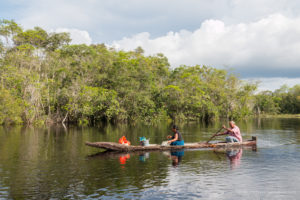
<point x="45" y="79"/>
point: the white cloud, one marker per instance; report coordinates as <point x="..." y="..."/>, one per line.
<point x="77" y="36"/>
<point x="111" y="20"/>
<point x="266" y="47"/>
<point x="257" y="38"/>
<point x="274" y="83"/>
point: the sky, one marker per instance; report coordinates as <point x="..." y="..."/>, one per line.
<point x="258" y="40"/>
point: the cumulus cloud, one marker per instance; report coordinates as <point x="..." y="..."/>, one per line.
<point x="77" y="36"/>
<point x="111" y="20"/>
<point x="264" y="48"/>
<point x="272" y="84"/>
<point x="257" y="38"/>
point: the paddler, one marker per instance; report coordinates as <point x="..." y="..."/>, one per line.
<point x="234" y="133"/>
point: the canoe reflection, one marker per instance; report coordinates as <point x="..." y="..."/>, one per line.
<point x="234" y="156"/>
<point x="175" y="156"/>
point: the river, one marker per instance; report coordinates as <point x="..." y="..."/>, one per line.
<point x="54" y="163"/>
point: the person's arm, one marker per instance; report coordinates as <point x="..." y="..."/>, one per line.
<point x="227" y="129"/>
<point x="225" y="132"/>
<point x="175" y="138"/>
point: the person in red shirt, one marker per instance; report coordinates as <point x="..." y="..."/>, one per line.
<point x="234" y="133"/>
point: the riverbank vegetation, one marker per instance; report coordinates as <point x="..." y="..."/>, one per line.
<point x="284" y="100"/>
<point x="45" y="79"/>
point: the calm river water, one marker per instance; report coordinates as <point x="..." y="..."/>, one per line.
<point x="54" y="163"/>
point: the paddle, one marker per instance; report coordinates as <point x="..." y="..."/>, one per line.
<point x="214" y="135"/>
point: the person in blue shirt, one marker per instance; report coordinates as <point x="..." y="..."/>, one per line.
<point x="176" y="138"/>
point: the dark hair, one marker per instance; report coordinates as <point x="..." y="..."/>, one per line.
<point x="175" y="127"/>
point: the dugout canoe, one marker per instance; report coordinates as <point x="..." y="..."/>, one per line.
<point x="112" y="146"/>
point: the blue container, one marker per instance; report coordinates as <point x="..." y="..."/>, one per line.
<point x="145" y="142"/>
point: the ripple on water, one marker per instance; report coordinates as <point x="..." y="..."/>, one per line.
<point x="274" y="138"/>
<point x="269" y="173"/>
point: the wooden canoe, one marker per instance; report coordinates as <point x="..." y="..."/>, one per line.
<point x="112" y="146"/>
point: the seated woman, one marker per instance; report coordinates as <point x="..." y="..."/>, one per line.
<point x="176" y="138"/>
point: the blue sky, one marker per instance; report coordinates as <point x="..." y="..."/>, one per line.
<point x="258" y="39"/>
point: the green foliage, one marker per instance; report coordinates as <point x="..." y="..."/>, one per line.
<point x="9" y="28"/>
<point x="97" y="103"/>
<point x="10" y="108"/>
<point x="45" y="80"/>
<point x="267" y="103"/>
<point x="205" y="93"/>
<point x="284" y="100"/>
<point x="36" y="37"/>
<point x="57" y="40"/>
<point x="290" y="100"/>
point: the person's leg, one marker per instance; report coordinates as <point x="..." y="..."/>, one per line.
<point x="231" y="139"/>
<point x="177" y="143"/>
<point x="231" y="152"/>
<point x="228" y="139"/>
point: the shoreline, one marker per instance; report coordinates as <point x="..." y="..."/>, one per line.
<point x="278" y="116"/>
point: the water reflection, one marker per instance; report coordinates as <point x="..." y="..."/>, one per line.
<point x="52" y="163"/>
<point x="234" y="155"/>
<point x="143" y="156"/>
<point x="176" y="157"/>
<point x="123" y="158"/>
